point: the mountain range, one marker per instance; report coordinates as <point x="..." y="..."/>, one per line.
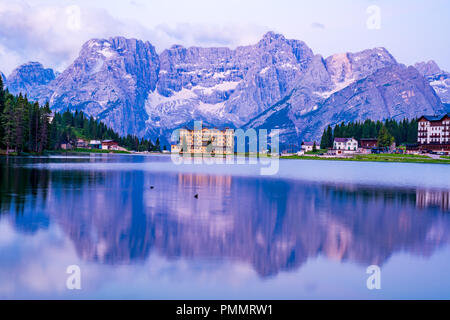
<point x="275" y="83"/>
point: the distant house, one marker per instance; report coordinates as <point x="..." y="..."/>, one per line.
<point x="349" y="144"/>
<point x="368" y="143"/>
<point x="175" y="148"/>
<point x="82" y="144"/>
<point x="412" y="148"/>
<point x="66" y="146"/>
<point x="308" y="146"/>
<point x="95" y="144"/>
<point x="110" y="145"/>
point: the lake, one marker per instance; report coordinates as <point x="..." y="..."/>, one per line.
<point x="135" y="229"/>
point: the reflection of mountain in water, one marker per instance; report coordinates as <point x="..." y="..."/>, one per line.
<point x="114" y="217"/>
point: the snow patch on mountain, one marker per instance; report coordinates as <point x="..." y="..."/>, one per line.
<point x="223" y="86"/>
<point x="106" y="52"/>
<point x="156" y="99"/>
<point x="217" y="109"/>
<point x="97" y="67"/>
<point x="338" y="87"/>
<point x="439" y="79"/>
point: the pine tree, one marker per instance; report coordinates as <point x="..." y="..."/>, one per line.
<point x="33" y="126"/>
<point x="330" y="137"/>
<point x="385" y="139"/>
<point x="327" y="138"/>
<point x="20" y="123"/>
<point x="25" y="127"/>
<point x="404" y="131"/>
<point x="53" y="140"/>
<point x="324" y="140"/>
<point x="7" y="123"/>
<point x="2" y="107"/>
<point x="67" y="118"/>
<point x="411" y="136"/>
<point x="44" y="128"/>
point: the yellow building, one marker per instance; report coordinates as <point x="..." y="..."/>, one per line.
<point x="205" y="140"/>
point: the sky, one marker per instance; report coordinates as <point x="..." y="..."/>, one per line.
<point x="53" y="31"/>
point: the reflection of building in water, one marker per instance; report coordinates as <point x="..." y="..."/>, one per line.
<point x="433" y="198"/>
<point x="191" y="179"/>
<point x="213" y="191"/>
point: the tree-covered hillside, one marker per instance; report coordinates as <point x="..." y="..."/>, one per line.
<point x="26" y="126"/>
<point x="402" y="132"/>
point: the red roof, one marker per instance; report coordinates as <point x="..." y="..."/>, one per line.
<point x="434" y="118"/>
<point x="342" y="139"/>
<point x="110" y="143"/>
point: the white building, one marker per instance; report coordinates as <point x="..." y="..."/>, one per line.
<point x="95" y="144"/>
<point x="308" y="146"/>
<point x="434" y="132"/>
<point x="198" y="141"/>
<point x="349" y="144"/>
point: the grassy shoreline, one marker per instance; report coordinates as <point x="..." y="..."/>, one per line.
<point x="63" y="152"/>
<point x="80" y="150"/>
<point x="393" y="158"/>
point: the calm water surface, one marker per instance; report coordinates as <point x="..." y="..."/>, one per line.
<point x="308" y="232"/>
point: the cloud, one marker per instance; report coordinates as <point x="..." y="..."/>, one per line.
<point x="209" y="35"/>
<point x="54" y="34"/>
<point x="317" y="25"/>
<point x="8" y="58"/>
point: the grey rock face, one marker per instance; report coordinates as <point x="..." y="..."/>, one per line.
<point x="353" y="66"/>
<point x="275" y="83"/>
<point x="31" y="79"/>
<point x="109" y="80"/>
<point x="439" y="79"/>
<point x="392" y="92"/>
<point x="429" y="68"/>
<point x="224" y="86"/>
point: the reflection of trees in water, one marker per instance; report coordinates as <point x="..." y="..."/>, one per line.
<point x="423" y="198"/>
<point x="114" y="217"/>
<point x="386" y="220"/>
<point x="433" y="198"/>
<point x="24" y="189"/>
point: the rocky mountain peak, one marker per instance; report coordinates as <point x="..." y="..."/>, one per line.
<point x="271" y="36"/>
<point x="276" y="82"/>
<point x="345" y="68"/>
<point x="275" y="41"/>
<point x="429" y="68"/>
<point x="110" y="79"/>
<point x="439" y="79"/>
<point x="28" y="76"/>
<point x="176" y="47"/>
